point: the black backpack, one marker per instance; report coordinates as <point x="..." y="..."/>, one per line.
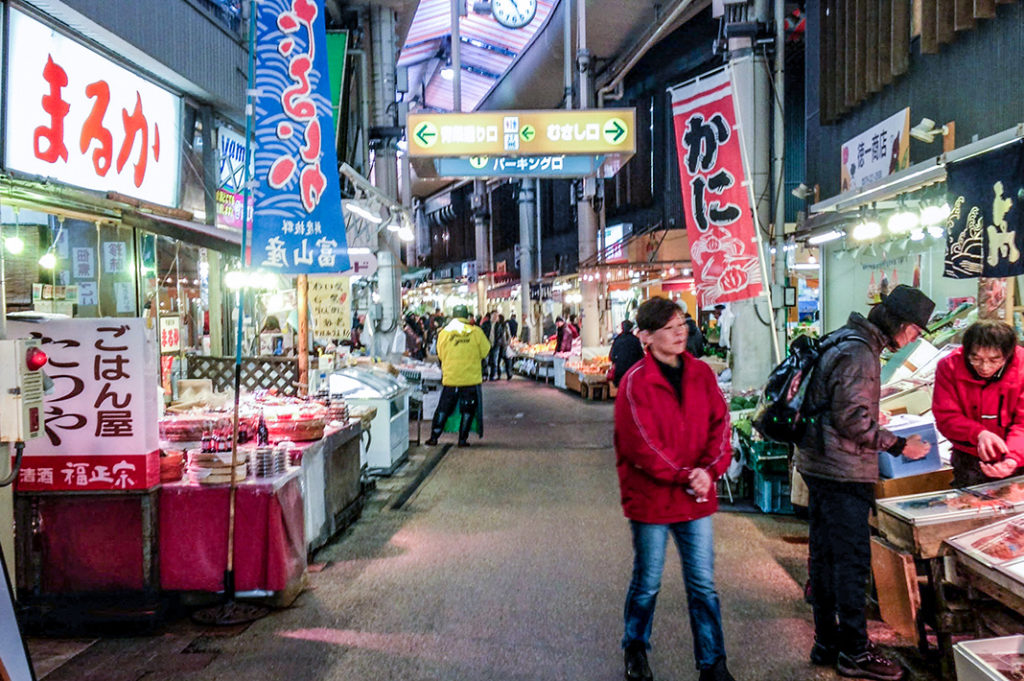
<point x="781" y="413"/>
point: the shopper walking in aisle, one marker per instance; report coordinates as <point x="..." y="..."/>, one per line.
<point x="838" y="459"/>
<point x="513" y="326"/>
<point x="626" y="351"/>
<point x="978" y="405"/>
<point x="461" y="348"/>
<point x="499" y="349"/>
<point x="671" y="445"/>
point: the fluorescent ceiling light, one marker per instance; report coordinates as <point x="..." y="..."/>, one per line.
<point x="825" y="237"/>
<point x="356" y="209"/>
<point x="805" y="266"/>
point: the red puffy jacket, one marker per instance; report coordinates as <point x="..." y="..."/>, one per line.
<point x="964" y="404"/>
<point x="658" y="441"/>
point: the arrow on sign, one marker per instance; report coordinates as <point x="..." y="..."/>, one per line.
<point x="616" y="131"/>
<point x="527" y="133"/>
<point x="424" y="133"/>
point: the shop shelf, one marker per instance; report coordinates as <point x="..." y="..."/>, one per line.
<point x="771" y="492"/>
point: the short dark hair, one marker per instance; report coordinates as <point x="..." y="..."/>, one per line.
<point x="990" y="333"/>
<point x="655" y="313"/>
<point x="627" y="326"/>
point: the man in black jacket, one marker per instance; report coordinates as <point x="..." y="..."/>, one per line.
<point x="626" y="351"/>
<point x="838" y="459"/>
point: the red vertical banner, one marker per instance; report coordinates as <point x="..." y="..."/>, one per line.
<point x="716" y="201"/>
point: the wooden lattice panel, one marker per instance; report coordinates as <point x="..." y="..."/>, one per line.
<point x="264" y="373"/>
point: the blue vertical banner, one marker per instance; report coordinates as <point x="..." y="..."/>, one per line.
<point x="297" y="225"/>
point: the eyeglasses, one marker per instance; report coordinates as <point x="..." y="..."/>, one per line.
<point x="986" y="360"/>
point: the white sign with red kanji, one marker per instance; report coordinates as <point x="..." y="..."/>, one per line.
<point x="77" y="117"/>
<point x="104" y="401"/>
<point x="170" y="334"/>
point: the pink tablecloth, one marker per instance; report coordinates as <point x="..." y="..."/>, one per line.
<point x="270" y="550"/>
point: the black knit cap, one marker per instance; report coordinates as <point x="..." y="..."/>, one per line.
<point x="909" y="304"/>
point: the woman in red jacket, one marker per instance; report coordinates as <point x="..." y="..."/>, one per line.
<point x="977" y="403"/>
<point x="671" y="444"/>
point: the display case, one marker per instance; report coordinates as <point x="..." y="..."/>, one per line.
<point x="991" y="659"/>
<point x="919" y="523"/>
<point x="389" y="430"/>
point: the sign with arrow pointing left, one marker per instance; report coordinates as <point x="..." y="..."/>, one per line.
<point x="523" y="133"/>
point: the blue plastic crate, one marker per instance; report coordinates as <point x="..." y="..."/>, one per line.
<point x="771" y="492"/>
<point x="890" y="466"/>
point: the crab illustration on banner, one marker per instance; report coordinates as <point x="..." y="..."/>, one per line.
<point x="297" y="223"/>
<point x="723" y="244"/>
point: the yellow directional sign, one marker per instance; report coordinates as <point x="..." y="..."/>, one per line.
<point x="522" y="133"/>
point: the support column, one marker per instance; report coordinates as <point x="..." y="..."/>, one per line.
<point x="527" y="214"/>
<point x="587" y="217"/>
<point x="480" y="227"/>
<point x="752" y="331"/>
<point x="779" y="173"/>
<point x="385" y="178"/>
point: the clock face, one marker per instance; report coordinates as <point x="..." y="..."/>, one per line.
<point x="514" y="13"/>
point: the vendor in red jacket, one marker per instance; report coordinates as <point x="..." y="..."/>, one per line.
<point x="671" y="444"/>
<point x="978" y="406"/>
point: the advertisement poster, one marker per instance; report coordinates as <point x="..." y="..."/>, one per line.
<point x="716" y="202"/>
<point x="331" y="307"/>
<point x="877" y="152"/>
<point x="297" y="222"/>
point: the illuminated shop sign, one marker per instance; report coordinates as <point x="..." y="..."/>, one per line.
<point x="79" y="118"/>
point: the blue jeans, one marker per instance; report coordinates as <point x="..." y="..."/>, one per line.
<point x="694" y="541"/>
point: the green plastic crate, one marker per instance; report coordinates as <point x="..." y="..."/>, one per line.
<point x="765" y="456"/>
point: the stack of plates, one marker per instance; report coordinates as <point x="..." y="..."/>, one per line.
<point x="214" y="468"/>
<point x="338" y="411"/>
<point x="266" y="462"/>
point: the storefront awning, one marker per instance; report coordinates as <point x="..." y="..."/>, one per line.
<point x="833" y="212"/>
<point x="227" y="241"/>
<point x="503" y="291"/>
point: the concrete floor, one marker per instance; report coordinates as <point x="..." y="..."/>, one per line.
<point x="509" y="563"/>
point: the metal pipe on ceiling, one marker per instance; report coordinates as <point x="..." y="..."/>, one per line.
<point x="622" y="71"/>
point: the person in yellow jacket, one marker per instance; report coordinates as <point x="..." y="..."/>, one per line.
<point x="461" y="347"/>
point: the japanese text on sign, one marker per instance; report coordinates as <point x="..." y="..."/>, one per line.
<point x="297" y="225"/>
<point x="76" y="116"/>
<point x="877" y="152"/>
<point x="102" y="402"/>
<point x="330" y="306"/>
<point x="718" y="215"/>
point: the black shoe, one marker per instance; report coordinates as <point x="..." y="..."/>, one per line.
<point x="824" y="655"/>
<point x="716" y="672"/>
<point x="432" y="442"/>
<point x="637" y="669"/>
<point x="870" y="664"/>
<point x="463" y="443"/>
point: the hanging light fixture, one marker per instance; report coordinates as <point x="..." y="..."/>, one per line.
<point x="48" y="260"/>
<point x="15" y="244"/>
<point x="866" y="230"/>
<point x="903" y="220"/>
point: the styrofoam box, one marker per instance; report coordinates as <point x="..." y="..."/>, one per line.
<point x="890" y="466"/>
<point x="971" y="667"/>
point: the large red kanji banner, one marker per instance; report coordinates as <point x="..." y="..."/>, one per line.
<point x="719" y="223"/>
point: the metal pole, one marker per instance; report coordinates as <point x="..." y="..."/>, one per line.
<point x="526" y="214"/>
<point x="567" y="64"/>
<point x="586" y="215"/>
<point x="779" y="124"/>
<point x="229" y="572"/>
<point x="456" y="55"/>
